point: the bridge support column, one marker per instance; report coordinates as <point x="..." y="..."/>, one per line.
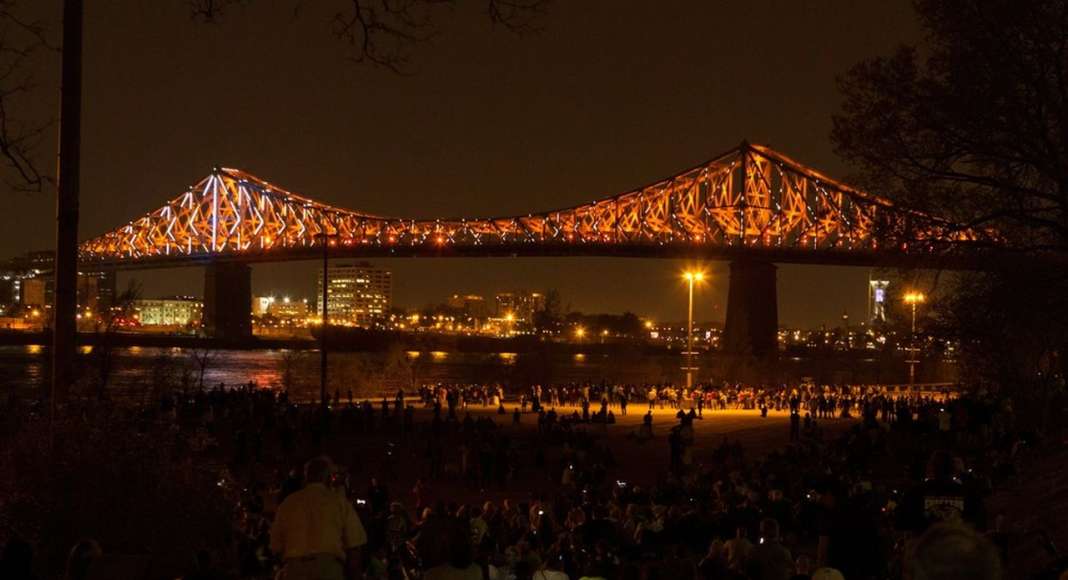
<point x="228" y="300"/>
<point x="750" y="337"/>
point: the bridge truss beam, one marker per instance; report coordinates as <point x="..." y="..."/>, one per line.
<point x="749" y="201"/>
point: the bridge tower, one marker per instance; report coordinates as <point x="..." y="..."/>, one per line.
<point x="228" y="300"/>
<point x="751" y="331"/>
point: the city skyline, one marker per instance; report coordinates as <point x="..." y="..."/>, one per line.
<point x="711" y="298"/>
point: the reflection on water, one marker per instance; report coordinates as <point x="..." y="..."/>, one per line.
<point x="370" y="373"/>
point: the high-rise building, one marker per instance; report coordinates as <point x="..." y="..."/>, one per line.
<point x="359" y="293"/>
<point x="877" y="300"/>
<point x="472" y="305"/>
<point x="10" y="288"/>
<point x="260" y="304"/>
<point x="96" y="289"/>
<point x="36" y="292"/>
<point x="521" y="305"/>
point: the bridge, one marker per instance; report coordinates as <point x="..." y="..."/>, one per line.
<point x="751" y="206"/>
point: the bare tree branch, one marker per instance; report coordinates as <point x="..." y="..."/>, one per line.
<point x="383" y="32"/>
<point x="19" y="41"/>
<point x="518" y="16"/>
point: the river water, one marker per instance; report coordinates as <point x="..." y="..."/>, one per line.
<point x="138" y="369"/>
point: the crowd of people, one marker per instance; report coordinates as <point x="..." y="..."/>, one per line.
<point x="823" y="401"/>
<point x="446" y="493"/>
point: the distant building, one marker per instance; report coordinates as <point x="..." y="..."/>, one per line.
<point x="286" y="309"/>
<point x="260" y="304"/>
<point x="36" y="292"/>
<point x="178" y="311"/>
<point x="10" y="289"/>
<point x="877" y="300"/>
<point x="472" y="305"/>
<point x="521" y="305"/>
<point x="96" y="289"/>
<point x="359" y="293"/>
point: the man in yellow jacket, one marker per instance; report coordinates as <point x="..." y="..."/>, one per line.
<point x="316" y="530"/>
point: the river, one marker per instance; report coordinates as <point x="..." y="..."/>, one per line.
<point x="137" y="369"/>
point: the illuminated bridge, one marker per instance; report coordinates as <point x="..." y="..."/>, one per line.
<point x="751" y="206"/>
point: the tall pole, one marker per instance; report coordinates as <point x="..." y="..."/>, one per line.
<point x="912" y="359"/>
<point x="68" y="172"/>
<point x="689" y="340"/>
<point x="325" y="321"/>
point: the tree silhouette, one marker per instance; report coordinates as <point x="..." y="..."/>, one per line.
<point x="973" y="125"/>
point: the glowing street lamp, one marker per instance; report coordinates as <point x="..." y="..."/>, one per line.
<point x="913" y="299"/>
<point x="580" y="332"/>
<point x="691" y="276"/>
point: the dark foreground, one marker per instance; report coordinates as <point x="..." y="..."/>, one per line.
<point x="188" y="488"/>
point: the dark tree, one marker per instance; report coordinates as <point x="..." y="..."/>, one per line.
<point x="551" y="317"/>
<point x="973" y="125"/>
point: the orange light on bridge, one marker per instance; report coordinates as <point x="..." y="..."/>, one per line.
<point x="788" y="215"/>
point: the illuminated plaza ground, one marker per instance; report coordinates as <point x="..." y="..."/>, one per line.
<point x="639" y="462"/>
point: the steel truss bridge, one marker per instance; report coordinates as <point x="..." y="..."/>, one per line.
<point x="751" y="205"/>
<point x="750" y="202"/>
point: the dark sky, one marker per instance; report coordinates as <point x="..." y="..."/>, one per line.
<point x="608" y="96"/>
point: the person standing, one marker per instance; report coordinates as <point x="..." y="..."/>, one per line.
<point x="316" y="531"/>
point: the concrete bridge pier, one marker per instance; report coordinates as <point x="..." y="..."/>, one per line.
<point x="228" y="300"/>
<point x="750" y="337"/>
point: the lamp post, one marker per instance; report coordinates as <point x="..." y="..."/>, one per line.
<point x="691" y="277"/>
<point x="913" y="299"/>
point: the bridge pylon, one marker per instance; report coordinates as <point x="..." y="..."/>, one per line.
<point x="750" y="342"/>
<point x="228" y="300"/>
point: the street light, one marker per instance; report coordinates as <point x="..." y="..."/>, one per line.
<point x="691" y="276"/>
<point x="913" y="299"/>
<point x="325" y="321"/>
<point x="510" y="318"/>
<point x="580" y="332"/>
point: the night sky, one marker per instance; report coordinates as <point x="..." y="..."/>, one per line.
<point x="608" y="96"/>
